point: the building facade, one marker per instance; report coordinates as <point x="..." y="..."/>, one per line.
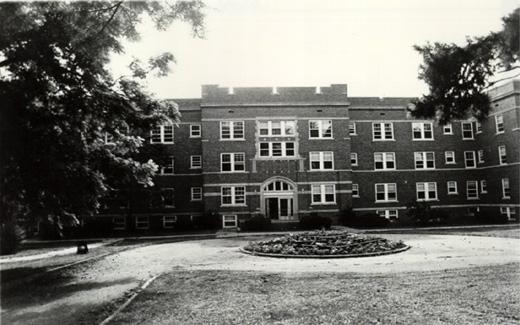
<point x="290" y="151"/>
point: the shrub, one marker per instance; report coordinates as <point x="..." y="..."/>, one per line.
<point x="367" y="220"/>
<point x="257" y="223"/>
<point x="346" y="216"/>
<point x="424" y="215"/>
<point x="314" y="221"/>
<point x="10" y="236"/>
<point x="210" y="220"/>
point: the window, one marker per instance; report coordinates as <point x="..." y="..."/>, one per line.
<point x="502" y="155"/>
<point x="508" y="211"/>
<point x="353" y="159"/>
<point x="169" y="221"/>
<point x="467" y="130"/>
<point x="169" y="168"/>
<point x="506" y="190"/>
<point x="232" y="162"/>
<point x="142" y="222"/>
<point x="232" y="130"/>
<point x="469" y="159"/>
<point x="422" y="131"/>
<point x="162" y="134"/>
<point x="168" y="197"/>
<point x="195" y="162"/>
<point x="384" y="160"/>
<point x="321" y="160"/>
<point x="449" y="157"/>
<point x="388" y="214"/>
<point x="424" y="160"/>
<point x="478" y="127"/>
<point x="276" y="128"/>
<point x="195" y="131"/>
<point x="323" y="193"/>
<point x="355" y="190"/>
<point x="233" y="195"/>
<point x="229" y="221"/>
<point x="382" y="131"/>
<point x="196" y="193"/>
<point x="499" y="123"/>
<point x="320" y="129"/>
<point x="352" y="128"/>
<point x="426" y="191"/>
<point x="386" y="192"/>
<point x="483" y="186"/>
<point x="472" y="190"/>
<point x="119" y="223"/>
<point x="277" y="149"/>
<point x="447" y="128"/>
<point x="480" y="155"/>
<point x="452" y="187"/>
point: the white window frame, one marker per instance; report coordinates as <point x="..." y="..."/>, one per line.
<point x="426" y="191"/>
<point x="321" y="129"/>
<point x="162" y="134"/>
<point x="321" y="160"/>
<point x="447" y="129"/>
<point x="196" y="193"/>
<point x="283" y="145"/>
<point x="385" y="160"/>
<point x="323" y="193"/>
<point x="352" y="128"/>
<point x="233" y="162"/>
<point x="499" y="124"/>
<point x="502" y="157"/>
<point x="195" y="133"/>
<point x="383" y="135"/>
<point x="478" y="127"/>
<point x="283" y="124"/>
<point x="449" y="154"/>
<point x="422" y="129"/>
<point x="473" y="190"/>
<point x="386" y="191"/>
<point x="483" y="186"/>
<point x="454" y="186"/>
<point x="353" y="159"/>
<point x="355" y="190"/>
<point x="192" y="160"/>
<point x="142" y="220"/>
<point x="117" y="224"/>
<point x="508" y="211"/>
<point x="388" y="214"/>
<point x="462" y="124"/>
<point x="233" y="195"/>
<point x="172" y="191"/>
<point x="505" y="189"/>
<point x="169" y="221"/>
<point x="232" y="126"/>
<point x="226" y="219"/>
<point x="423" y="155"/>
<point x="474" y="159"/>
<point x="171" y="166"/>
<point x="480" y="156"/>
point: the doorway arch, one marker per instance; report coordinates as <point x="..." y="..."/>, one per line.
<point x="279" y="199"/>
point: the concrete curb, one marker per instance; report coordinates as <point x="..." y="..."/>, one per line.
<point x="395" y="251"/>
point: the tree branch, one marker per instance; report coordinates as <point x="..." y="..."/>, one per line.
<point x="105" y="25"/>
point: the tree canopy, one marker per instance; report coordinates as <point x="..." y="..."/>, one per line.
<point x="459" y="76"/>
<point x="59" y="102"/>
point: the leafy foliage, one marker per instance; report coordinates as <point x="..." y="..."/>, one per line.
<point x="59" y="101"/>
<point x="458" y="76"/>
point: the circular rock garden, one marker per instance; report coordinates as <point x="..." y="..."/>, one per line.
<point x="324" y="244"/>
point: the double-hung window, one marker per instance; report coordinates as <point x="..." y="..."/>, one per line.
<point x="352" y="128"/>
<point x="426" y="191"/>
<point x="384" y="160"/>
<point x="169" y="222"/>
<point x="386" y="192"/>
<point x="422" y="131"/>
<point x="353" y="159"/>
<point x="483" y="186"/>
<point x="469" y="159"/>
<point x="355" y="190"/>
<point x="467" y="130"/>
<point x="276" y="128"/>
<point x="447" y="128"/>
<point x="452" y="187"/>
<point x="472" y="190"/>
<point x="506" y="189"/>
<point x="142" y="222"/>
<point x="449" y="157"/>
<point x="320" y="129"/>
<point x="323" y="193"/>
<point x="232" y="130"/>
<point x="321" y="160"/>
<point x="480" y="155"/>
<point x="196" y="162"/>
<point x="168" y="197"/>
<point x="162" y="134"/>
<point x="195" y="131"/>
<point x="119" y="223"/>
<point x="169" y="167"/>
<point x="233" y="195"/>
<point x="499" y="123"/>
<point x="382" y="131"/>
<point x="424" y="160"/>
<point x="387" y="214"/>
<point x="196" y="193"/>
<point x="277" y="149"/>
<point x="502" y="155"/>
<point x="232" y="162"/>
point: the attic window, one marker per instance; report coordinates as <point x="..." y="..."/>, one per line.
<point x="231" y="91"/>
<point x="318" y="90"/>
<point x="275" y="91"/>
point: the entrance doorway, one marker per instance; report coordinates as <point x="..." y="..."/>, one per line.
<point x="278" y="200"/>
<point x="279" y="208"/>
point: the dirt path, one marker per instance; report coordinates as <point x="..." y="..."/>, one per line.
<point x="86" y="291"/>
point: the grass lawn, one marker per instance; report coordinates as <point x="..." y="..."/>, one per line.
<point x="483" y="295"/>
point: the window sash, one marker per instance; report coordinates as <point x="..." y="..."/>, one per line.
<point x="277" y="149"/>
<point x="506" y="189"/>
<point x="355" y="190"/>
<point x="320" y="129"/>
<point x="452" y="187"/>
<point x="168" y="169"/>
<point x="195" y="162"/>
<point x="480" y="155"/>
<point x="384" y="160"/>
<point x="447" y="128"/>
<point x="472" y="189"/>
<point x="426" y="191"/>
<point x="229" y="221"/>
<point x="232" y="130"/>
<point x="232" y="162"/>
<point x="449" y="157"/>
<point x="386" y="192"/>
<point x="162" y="134"/>
<point x="323" y="193"/>
<point x="467" y="130"/>
<point x="321" y="160"/>
<point x="469" y="159"/>
<point x="195" y="131"/>
<point x="353" y="159"/>
<point x="352" y="128"/>
<point x="422" y="131"/>
<point x="169" y="221"/>
<point x="499" y="123"/>
<point x="142" y="222"/>
<point x="502" y="155"/>
<point x="382" y="131"/>
<point x="276" y="128"/>
<point x="168" y="197"/>
<point x="483" y="186"/>
<point x="424" y="160"/>
<point x="196" y="193"/>
<point x="233" y="195"/>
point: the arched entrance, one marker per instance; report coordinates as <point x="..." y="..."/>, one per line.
<point x="278" y="199"/>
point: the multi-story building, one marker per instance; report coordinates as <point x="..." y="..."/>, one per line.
<point x="289" y="151"/>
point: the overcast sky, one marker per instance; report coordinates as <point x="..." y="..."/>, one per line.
<point x="364" y="43"/>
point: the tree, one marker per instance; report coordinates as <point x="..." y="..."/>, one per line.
<point x="60" y="103"/>
<point x="459" y="76"/>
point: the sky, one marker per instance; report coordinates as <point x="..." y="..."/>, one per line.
<point x="367" y="44"/>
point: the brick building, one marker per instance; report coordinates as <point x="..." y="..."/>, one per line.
<point x="289" y="151"/>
